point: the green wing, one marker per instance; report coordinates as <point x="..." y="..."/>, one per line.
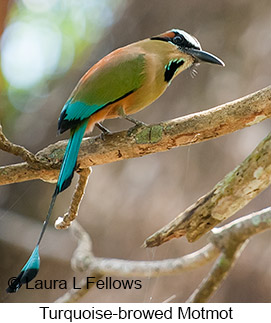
<point x="114" y="77"/>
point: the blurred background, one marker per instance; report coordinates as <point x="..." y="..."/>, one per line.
<point x="46" y="46"/>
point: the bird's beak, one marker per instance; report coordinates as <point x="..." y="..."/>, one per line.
<point x="202" y="56"/>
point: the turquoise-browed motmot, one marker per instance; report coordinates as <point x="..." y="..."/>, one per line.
<point x="122" y="83"/>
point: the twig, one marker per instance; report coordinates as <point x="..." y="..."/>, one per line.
<point x="82" y="255"/>
<point x="231" y="194"/>
<point x="225" y="243"/>
<point x="130" y="268"/>
<point x="65" y="221"/>
<point x="16" y="150"/>
<point x="217" y="274"/>
<point x="137" y="142"/>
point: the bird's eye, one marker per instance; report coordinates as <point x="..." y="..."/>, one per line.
<point x="179" y="40"/>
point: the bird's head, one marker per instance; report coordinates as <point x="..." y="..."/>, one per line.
<point x="183" y="51"/>
<point x="188" y="44"/>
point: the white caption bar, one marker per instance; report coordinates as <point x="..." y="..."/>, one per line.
<point x="134" y="312"/>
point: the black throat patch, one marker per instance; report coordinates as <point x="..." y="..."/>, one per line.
<point x="171" y="69"/>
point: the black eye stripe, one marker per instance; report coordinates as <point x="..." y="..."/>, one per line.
<point x="178" y="40"/>
<point x="167" y="39"/>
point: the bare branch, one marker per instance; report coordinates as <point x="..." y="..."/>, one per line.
<point x="129" y="268"/>
<point x="85" y="260"/>
<point x="83" y="253"/>
<point x="231" y="239"/>
<point x="16" y="150"/>
<point x="140" y="141"/>
<point x="231" y="194"/>
<point x="226" y="243"/>
<point x="218" y="273"/>
<point x="65" y="221"/>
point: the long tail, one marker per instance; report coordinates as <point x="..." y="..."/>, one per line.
<point x="31" y="268"/>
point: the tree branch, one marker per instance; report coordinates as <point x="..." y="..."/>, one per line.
<point x="226" y="244"/>
<point x="16" y="150"/>
<point x="231" y="194"/>
<point x="231" y="239"/>
<point x="139" y="141"/>
<point x="65" y="221"/>
<point x="218" y="273"/>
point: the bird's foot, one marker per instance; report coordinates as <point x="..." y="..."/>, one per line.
<point x="104" y="130"/>
<point x="137" y="123"/>
<point x="134" y="121"/>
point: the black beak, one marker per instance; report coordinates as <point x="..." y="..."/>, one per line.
<point x="202" y="56"/>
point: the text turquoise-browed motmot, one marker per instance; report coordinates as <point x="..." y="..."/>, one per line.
<point x="122" y="83"/>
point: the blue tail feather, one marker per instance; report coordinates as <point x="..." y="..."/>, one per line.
<point x="29" y="271"/>
<point x="70" y="158"/>
<point x="31" y="268"/>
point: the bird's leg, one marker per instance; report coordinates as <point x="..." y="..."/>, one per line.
<point x="136" y="122"/>
<point x="104" y="130"/>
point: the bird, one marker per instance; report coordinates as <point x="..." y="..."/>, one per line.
<point x="122" y="83"/>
